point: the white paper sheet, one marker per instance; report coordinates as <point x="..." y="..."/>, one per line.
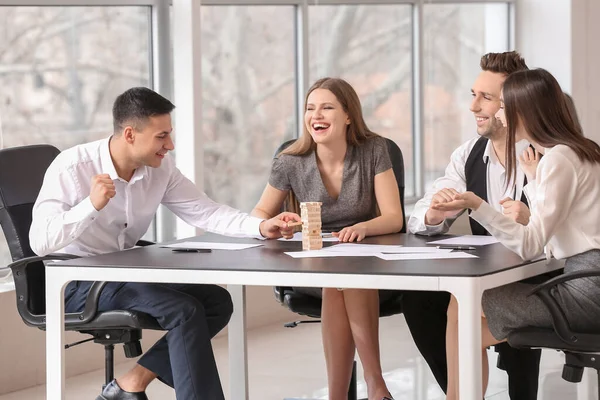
<point x="383" y="248"/>
<point x="298" y="238"/>
<point x="467" y="240"/>
<point x="363" y="250"/>
<point x="425" y="256"/>
<point x="211" y="245"/>
<point x="325" y="253"/>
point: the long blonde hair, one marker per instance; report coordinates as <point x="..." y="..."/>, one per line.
<point x="356" y="132"/>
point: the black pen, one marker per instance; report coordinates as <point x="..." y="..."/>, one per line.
<point x="449" y="247"/>
<point x="181" y="250"/>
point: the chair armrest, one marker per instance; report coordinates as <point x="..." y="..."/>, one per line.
<point x="90" y="308"/>
<point x="564" y="278"/>
<point x="19" y="266"/>
<point x="144" y="243"/>
<point x="19" y="270"/>
<point x="91" y="303"/>
<point x="545" y="292"/>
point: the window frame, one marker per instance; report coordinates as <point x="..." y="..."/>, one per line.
<point x="162" y="69"/>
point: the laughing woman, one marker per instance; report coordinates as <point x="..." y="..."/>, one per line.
<point x="564" y="216"/>
<point x="341" y="163"/>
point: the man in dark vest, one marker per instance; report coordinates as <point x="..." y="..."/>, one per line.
<point x="477" y="166"/>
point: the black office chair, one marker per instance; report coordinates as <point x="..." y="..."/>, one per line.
<point x="581" y="348"/>
<point x="304" y="304"/>
<point x="22" y="171"/>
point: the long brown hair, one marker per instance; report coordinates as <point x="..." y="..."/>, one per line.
<point x="356" y="132"/>
<point x="534" y="98"/>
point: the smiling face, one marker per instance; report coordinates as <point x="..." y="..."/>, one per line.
<point x="325" y="118"/>
<point x="151" y="142"/>
<point x="486" y="102"/>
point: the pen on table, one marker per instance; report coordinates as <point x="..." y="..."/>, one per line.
<point x="191" y="250"/>
<point x="457" y="247"/>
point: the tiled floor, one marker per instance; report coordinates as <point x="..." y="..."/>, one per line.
<point x="286" y="363"/>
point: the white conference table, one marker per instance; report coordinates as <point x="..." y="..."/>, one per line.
<point x="266" y="265"/>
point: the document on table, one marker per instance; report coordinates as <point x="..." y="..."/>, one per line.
<point x="467" y="240"/>
<point x="425" y="256"/>
<point x="327" y="253"/>
<point x="298" y="238"/>
<point x="383" y="248"/>
<point x="211" y="245"/>
<point x="371" y="250"/>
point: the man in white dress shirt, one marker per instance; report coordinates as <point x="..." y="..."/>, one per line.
<point x="101" y="197"/>
<point x="477" y="165"/>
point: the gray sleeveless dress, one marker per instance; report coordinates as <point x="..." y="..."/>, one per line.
<point x="356" y="201"/>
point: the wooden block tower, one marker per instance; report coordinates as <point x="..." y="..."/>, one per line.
<point x="310" y="212"/>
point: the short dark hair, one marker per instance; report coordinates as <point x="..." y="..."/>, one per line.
<point x="136" y="105"/>
<point x="503" y="63"/>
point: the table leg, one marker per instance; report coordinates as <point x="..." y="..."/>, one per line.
<point x="55" y="335"/>
<point x="468" y="295"/>
<point x="238" y="347"/>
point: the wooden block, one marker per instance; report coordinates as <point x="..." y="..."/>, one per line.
<point x="312" y="246"/>
<point x="292" y="224"/>
<point x="311" y="232"/>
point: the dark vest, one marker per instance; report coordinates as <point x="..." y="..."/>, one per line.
<point x="476" y="176"/>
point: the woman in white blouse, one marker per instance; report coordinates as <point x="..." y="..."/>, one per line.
<point x="565" y="215"/>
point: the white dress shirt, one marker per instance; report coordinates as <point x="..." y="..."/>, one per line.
<point x="64" y="219"/>
<point x="455" y="178"/>
<point x="565" y="213"/>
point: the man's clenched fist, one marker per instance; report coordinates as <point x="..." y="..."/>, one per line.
<point x="103" y="189"/>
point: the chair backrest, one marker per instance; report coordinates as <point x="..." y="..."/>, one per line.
<point x="397" y="165"/>
<point x="22" y="172"/>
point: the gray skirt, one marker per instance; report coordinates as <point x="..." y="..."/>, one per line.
<point x="508" y="308"/>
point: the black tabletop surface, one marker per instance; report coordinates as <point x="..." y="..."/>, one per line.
<point x="271" y="258"/>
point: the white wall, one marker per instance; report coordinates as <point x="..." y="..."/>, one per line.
<point x="559" y="35"/>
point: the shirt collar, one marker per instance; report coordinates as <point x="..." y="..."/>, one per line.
<point x="108" y="167"/>
<point x="489" y="150"/>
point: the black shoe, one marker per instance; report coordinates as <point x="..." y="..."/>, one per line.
<point x="112" y="391"/>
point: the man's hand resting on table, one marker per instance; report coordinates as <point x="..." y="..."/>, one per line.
<point x="277" y="226"/>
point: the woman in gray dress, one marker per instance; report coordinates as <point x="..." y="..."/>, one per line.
<point x="339" y="162"/>
<point x="564" y="219"/>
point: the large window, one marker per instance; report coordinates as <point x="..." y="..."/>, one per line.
<point x="248" y="86"/>
<point x="455" y="38"/>
<point x="375" y="59"/>
<point x="62" y="67"/>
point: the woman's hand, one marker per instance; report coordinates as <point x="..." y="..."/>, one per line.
<point x="459" y="202"/>
<point x="351" y="233"/>
<point x="528" y="162"/>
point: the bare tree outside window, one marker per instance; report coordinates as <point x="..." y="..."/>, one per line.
<point x="249" y="76"/>
<point x="371" y="48"/>
<point x="61" y="69"/>
<point x="456" y="36"/>
<point x="248" y="86"/>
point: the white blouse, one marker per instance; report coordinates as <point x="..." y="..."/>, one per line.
<point x="565" y="209"/>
